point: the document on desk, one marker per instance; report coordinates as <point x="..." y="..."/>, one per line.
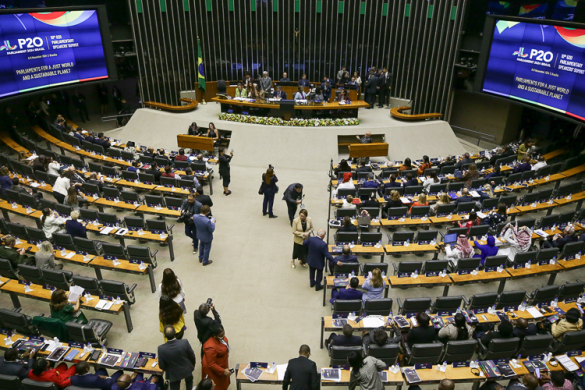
<point x="253" y="374"/>
<point x="35" y="185"/>
<point x="534" y="312"/>
<point x="107" y="230"/>
<point x="567" y="363"/>
<point x="104" y="305"/>
<point x="280" y="370"/>
<point x="331" y="374"/>
<point x="373" y="322"/>
<point x="74" y="293"/>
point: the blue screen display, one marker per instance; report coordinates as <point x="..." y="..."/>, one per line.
<point x="538" y="64"/>
<point x="47" y="49"/>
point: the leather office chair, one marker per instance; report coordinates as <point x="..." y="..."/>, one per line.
<point x="111" y="193"/>
<point x="90" y="285"/>
<point x="114" y="288"/>
<point x="93" y="332"/>
<point x="423" y="353"/>
<point x="114" y="250"/>
<point x="130" y="196"/>
<point x="159" y="225"/>
<point x="347" y="306"/>
<point x="17" y="321"/>
<point x="569" y="342"/>
<point x="221" y="87"/>
<point x="168" y="181"/>
<point x="369" y="267"/>
<point x="536" y="345"/>
<point x="510" y="298"/>
<point x="338" y="354"/>
<point x="9" y="382"/>
<point x="449" y="303"/>
<point x="58" y="278"/>
<point x="571" y="249"/>
<point x="499" y="348"/>
<point x="29" y="384"/>
<point x="173" y="202"/>
<point x="30" y="273"/>
<point x="495" y="261"/>
<point x="378" y="307"/>
<point x="134" y="223"/>
<point x="543" y="294"/>
<point x="107" y="219"/>
<point x="571" y="290"/>
<point x="3" y="228"/>
<point x="86" y="245"/>
<point x="387" y="353"/>
<point x="63" y="210"/>
<point x="436" y="266"/>
<point x="64" y="241"/>
<point x="7" y="271"/>
<point x="346" y="268"/>
<point x="35" y="236"/>
<point x="155" y="200"/>
<point x="17" y="230"/>
<point x="413" y="305"/>
<point x="142" y="253"/>
<point x="407" y="267"/>
<point x="459" y="351"/>
<point x="88" y="215"/>
<point x="482" y="301"/>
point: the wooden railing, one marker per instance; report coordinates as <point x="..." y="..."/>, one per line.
<point x="167" y="107"/>
<point x="396" y="112"/>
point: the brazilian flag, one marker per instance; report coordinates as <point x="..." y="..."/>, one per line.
<point x="200" y="69"/>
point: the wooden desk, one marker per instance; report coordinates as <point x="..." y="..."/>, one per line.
<point x="406" y="222"/>
<point x="413" y="247"/>
<point x="573" y="171"/>
<point x="554" y="153"/>
<point x="82" y="357"/>
<point x="327" y="326"/>
<point x="329" y="284"/>
<point x="546" y="269"/>
<point x="397" y="112"/>
<point x="120" y="205"/>
<point x="433" y="375"/>
<point x="454" y="219"/>
<point x="14" y="289"/>
<point x="393" y="379"/>
<point x="137" y="186"/>
<point x="482" y="277"/>
<point x="363" y="250"/>
<point x="7" y="208"/>
<point x="4" y="137"/>
<point x="163" y="211"/>
<point x="195" y="142"/>
<point x="530" y="208"/>
<point x="368" y="150"/>
<point x="421" y="281"/>
<point x="579" y="197"/>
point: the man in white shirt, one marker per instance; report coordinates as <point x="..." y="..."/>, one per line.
<point x="540" y="164"/>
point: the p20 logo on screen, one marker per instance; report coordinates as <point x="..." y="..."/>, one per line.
<point x="538" y="55"/>
<point x="7" y="46"/>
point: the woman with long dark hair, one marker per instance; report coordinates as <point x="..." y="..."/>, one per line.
<point x="170" y="313"/>
<point x="364" y="372"/>
<point x="60" y="375"/>
<point x="74" y="198"/>
<point x="406" y="165"/>
<point x="268" y="188"/>
<point x="193" y="129"/>
<point x="206" y="384"/>
<point x="456" y="330"/>
<point x="63" y="310"/>
<point x="172" y="287"/>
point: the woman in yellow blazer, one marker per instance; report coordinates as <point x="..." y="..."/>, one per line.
<point x="302" y="227"/>
<point x="170" y="313"/>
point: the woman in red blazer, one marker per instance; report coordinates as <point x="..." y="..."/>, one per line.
<point x="215" y="359"/>
<point x="60" y="375"/>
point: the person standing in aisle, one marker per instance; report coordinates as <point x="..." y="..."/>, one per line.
<point x="302" y="372"/>
<point x="205" y="228"/>
<point x="224" y="169"/>
<point x="268" y="188"/>
<point x="177" y="359"/>
<point x="293" y="196"/>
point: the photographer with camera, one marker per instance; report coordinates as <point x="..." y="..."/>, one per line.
<point x="204" y="323"/>
<point x="189" y="208"/>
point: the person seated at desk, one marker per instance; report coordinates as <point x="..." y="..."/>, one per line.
<point x="319" y="97"/>
<point x="392" y="183"/>
<point x="12" y="366"/>
<point x="429" y="181"/>
<point x="524" y="149"/>
<point x="347" y="226"/>
<point x="303" y="82"/>
<point x="102" y="141"/>
<point x="256" y="92"/>
<point x="524" y="166"/>
<point x="528" y="382"/>
<point x="79" y="134"/>
<point x="374" y="285"/>
<point x="241" y="92"/>
<point x="60" y="375"/>
<point x="74" y="227"/>
<point x="443" y="199"/>
<point x="540" y="164"/>
<point x="300" y="94"/>
<point x="95" y="180"/>
<point x="190" y="176"/>
<point x="212" y="132"/>
<point x="137" y="382"/>
<point x="279" y="93"/>
<point x="523" y="328"/>
<point x="350" y="292"/>
<point x="345" y="258"/>
<point x="205" y="200"/>
<point x="353" y="82"/>
<point x="15" y="256"/>
<point x="45" y="257"/>
<point x="424" y="166"/>
<point x="421" y="201"/>
<point x="472" y="220"/>
<point x="326" y="88"/>
<point x="284" y="78"/>
<point x="465" y="197"/>
<point x="347" y="339"/>
<point x="505" y="331"/>
<point x="248" y="81"/>
<point x="571" y="322"/>
<point x="342" y="167"/>
<point x="456" y="330"/>
<point x="560" y="240"/>
<point x="193" y="130"/>
<point x="344" y="79"/>
<point x="519" y="240"/>
<point x="135" y="167"/>
<point x="99" y="380"/>
<point x="150" y="150"/>
<point x="424" y="333"/>
<point x="74" y="198"/>
<point x="53" y="167"/>
<point x="63" y="310"/>
<point x="394" y="201"/>
<point x="181" y="156"/>
<point x="490" y="249"/>
<point x="407" y="165"/>
<point x="447" y="162"/>
<point x="348" y="203"/>
<point x="498" y="216"/>
<point x="372" y="201"/>
<point x="347" y="182"/>
<point x="361" y="165"/>
<point x="465" y="160"/>
<point x="169" y="172"/>
<point x="410" y="181"/>
<point x="555" y="380"/>
<point x="461" y="250"/>
<point x="343" y="97"/>
<point x="154" y="171"/>
<point x="471" y="174"/>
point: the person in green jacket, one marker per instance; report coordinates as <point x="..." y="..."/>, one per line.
<point x="15" y="256"/>
<point x="63" y="310"/>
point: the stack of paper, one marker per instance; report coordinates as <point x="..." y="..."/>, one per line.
<point x="74" y="293"/>
<point x="280" y="370"/>
<point x="534" y="312"/>
<point x="104" y="305"/>
<point x="373" y="322"/>
<point x="567" y="363"/>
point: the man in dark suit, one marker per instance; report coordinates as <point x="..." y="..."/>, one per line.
<point x="302" y="372"/>
<point x="465" y="197"/>
<point x="345" y="257"/>
<point x="362" y="167"/>
<point x="528" y="382"/>
<point x="524" y="166"/>
<point x="177" y="358"/>
<point x="345" y="340"/>
<point x="203" y="322"/>
<point x="205" y="228"/>
<point x="293" y="196"/>
<point x="350" y="292"/>
<point x="303" y="82"/>
<point x="385" y="81"/>
<point x="371" y="88"/>
<point x="280" y="94"/>
<point x="99" y="380"/>
<point x="205" y="200"/>
<point x="11" y="365"/>
<point x="523" y="328"/>
<point x="410" y="181"/>
<point x="79" y="134"/>
<point x="560" y="240"/>
<point x="103" y="141"/>
<point x="465" y="160"/>
<point x="317" y="252"/>
<point x="154" y="171"/>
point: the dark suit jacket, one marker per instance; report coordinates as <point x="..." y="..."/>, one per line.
<point x="202" y="324"/>
<point x="303" y="373"/>
<point x="343" y="341"/>
<point x="464" y="199"/>
<point x="103" y="142"/>
<point x="280" y="94"/>
<point x="16" y="368"/>
<point x="304" y="83"/>
<point x="346" y="294"/>
<point x="317" y="252"/>
<point x="365" y="168"/>
<point x="346" y="259"/>
<point x="204" y="200"/>
<point x="91" y="381"/>
<point x="372" y="85"/>
<point x="177" y="358"/>
<point x="523" y="167"/>
<point x="531" y="330"/>
<point x="411" y="183"/>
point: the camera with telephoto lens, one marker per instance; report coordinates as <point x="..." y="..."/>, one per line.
<point x="208" y="303"/>
<point x="270" y="166"/>
<point x="184" y="217"/>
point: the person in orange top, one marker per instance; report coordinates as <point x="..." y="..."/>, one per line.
<point x="421" y="201"/>
<point x="407" y="164"/>
<point x="60" y="375"/>
<point x="215" y="358"/>
<point x="426" y="164"/>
